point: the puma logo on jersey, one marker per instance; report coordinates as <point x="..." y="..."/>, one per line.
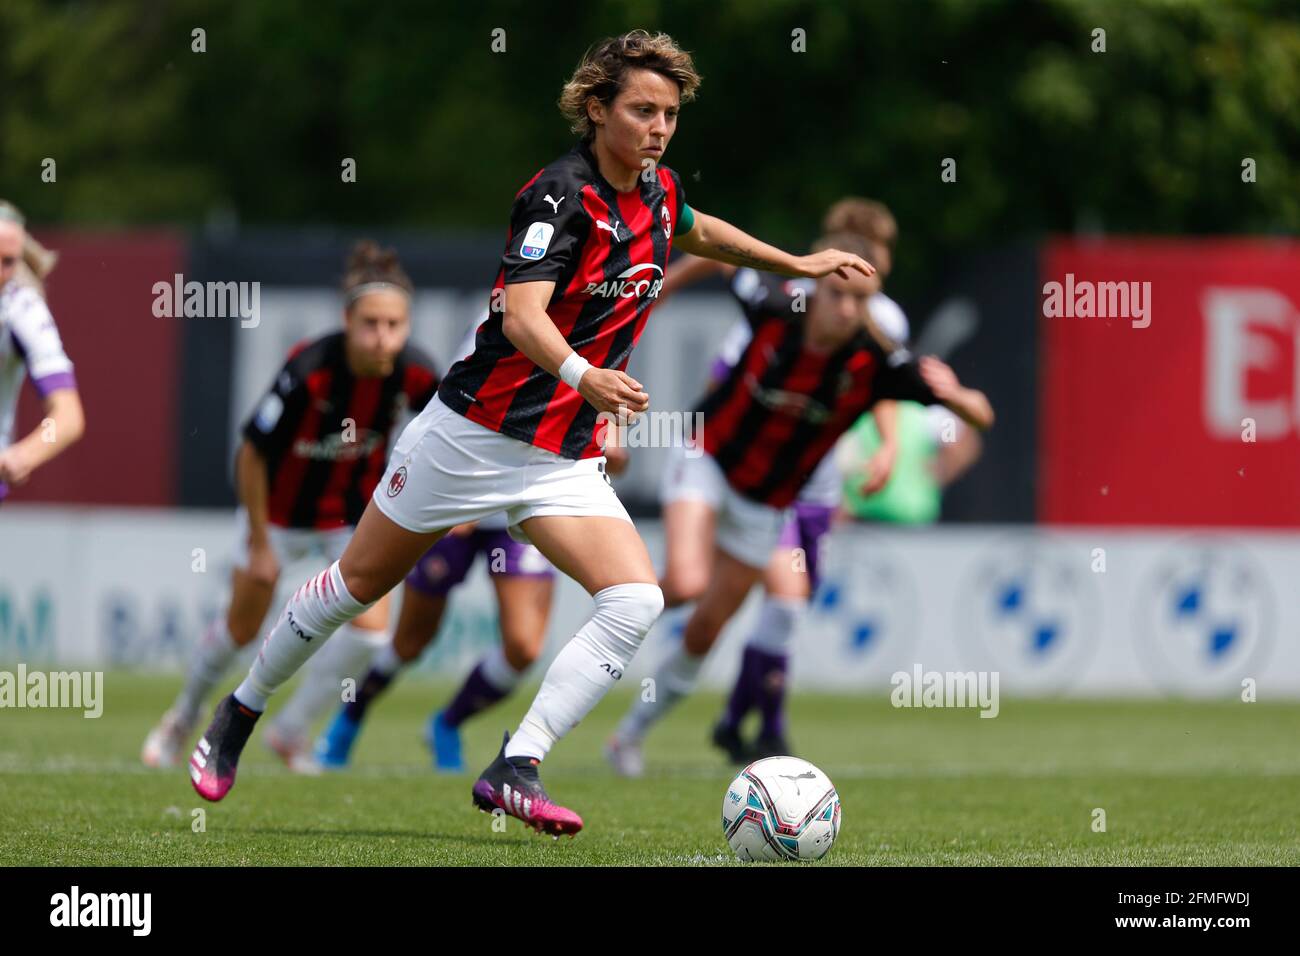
<point x="601" y="224"/>
<point x="555" y="203"/>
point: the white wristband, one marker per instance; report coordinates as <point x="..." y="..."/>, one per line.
<point x="571" y="371"/>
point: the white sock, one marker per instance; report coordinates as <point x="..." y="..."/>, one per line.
<point x="778" y="619"/>
<point x="346" y="656"/>
<point x="386" y="660"/>
<point x="316" y="611"/>
<point x="674" y="680"/>
<point x="497" y="671"/>
<point x="208" y="665"/>
<point x="588" y="666"/>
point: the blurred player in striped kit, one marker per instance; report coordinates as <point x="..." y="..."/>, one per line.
<point x="792" y="573"/>
<point x="814" y="363"/>
<point x="313" y="451"/>
<point x="30" y="347"/>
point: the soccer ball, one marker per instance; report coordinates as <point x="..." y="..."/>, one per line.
<point x="781" y="808"/>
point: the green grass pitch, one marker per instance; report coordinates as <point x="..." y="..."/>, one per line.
<point x="1181" y="783"/>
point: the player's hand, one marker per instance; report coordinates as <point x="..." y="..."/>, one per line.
<point x="15" y="468"/>
<point x="843" y="264"/>
<point x="941" y="379"/>
<point x="879" y="468"/>
<point x="262" y="564"/>
<point x="608" y="390"/>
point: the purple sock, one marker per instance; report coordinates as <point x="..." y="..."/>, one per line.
<point x="770" y="681"/>
<point x="744" y="695"/>
<point x="474" y="696"/>
<point x="372" y="685"/>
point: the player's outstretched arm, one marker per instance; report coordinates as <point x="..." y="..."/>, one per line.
<point x="712" y="238"/>
<point x="530" y="330"/>
<point x="63" y="425"/>
<point x="970" y="405"/>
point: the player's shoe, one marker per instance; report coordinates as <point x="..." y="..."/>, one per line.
<point x="770" y="746"/>
<point x="293" y="750"/>
<point x="727" y="739"/>
<point x="334" y="748"/>
<point x="625" y="757"/>
<point x="512" y="784"/>
<point x="165" y="745"/>
<point x="216" y="756"/>
<point x="444" y="742"/>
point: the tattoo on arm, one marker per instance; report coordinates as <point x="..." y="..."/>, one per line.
<point x="741" y="257"/>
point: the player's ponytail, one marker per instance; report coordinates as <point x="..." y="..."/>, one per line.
<point x="37" y="261"/>
<point x="372" y="268"/>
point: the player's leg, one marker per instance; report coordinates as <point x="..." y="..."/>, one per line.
<point x="424" y="602"/>
<point x="785" y="587"/>
<point x="608" y="558"/>
<point x="676" y="675"/>
<point x="417" y="625"/>
<point x="328" y="679"/>
<point x="250" y="599"/>
<point x="377" y="557"/>
<point x="524" y="585"/>
<point x="744" y="528"/>
<point x="689" y="524"/>
<point x="791" y="581"/>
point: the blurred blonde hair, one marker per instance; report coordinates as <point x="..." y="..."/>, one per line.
<point x="37" y="262"/>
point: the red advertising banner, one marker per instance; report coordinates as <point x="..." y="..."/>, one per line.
<point x="125" y="362"/>
<point x="1170" y="382"/>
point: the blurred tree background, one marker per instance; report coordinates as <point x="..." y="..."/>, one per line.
<point x="1049" y="136"/>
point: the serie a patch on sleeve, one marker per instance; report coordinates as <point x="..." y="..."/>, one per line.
<point x="536" y="240"/>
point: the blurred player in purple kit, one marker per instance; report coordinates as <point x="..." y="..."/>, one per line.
<point x="30" y="347"/>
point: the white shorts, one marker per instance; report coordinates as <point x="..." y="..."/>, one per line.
<point x="293" y="544"/>
<point x="446" y="470"/>
<point x="747" y="530"/>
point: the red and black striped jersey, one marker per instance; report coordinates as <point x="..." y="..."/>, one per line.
<point x="324" y="432"/>
<point x="606" y="252"/>
<point x="783" y="406"/>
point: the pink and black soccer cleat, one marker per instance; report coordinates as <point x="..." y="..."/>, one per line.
<point x="216" y="757"/>
<point x="512" y="784"/>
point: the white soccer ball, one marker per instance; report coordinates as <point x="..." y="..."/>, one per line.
<point x="781" y="808"/>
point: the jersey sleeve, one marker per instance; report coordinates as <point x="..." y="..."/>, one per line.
<point x="900" y="378"/>
<point x="548" y="226"/>
<point x="37" y="338"/>
<point x="729" y="353"/>
<point x="275" y="419"/>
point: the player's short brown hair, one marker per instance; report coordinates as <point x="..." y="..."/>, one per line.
<point x="853" y="242"/>
<point x="867" y="217"/>
<point x="605" y="65"/>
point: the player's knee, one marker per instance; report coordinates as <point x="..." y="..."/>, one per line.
<point x="681" y="586"/>
<point x="632" y="608"/>
<point x="520" y="655"/>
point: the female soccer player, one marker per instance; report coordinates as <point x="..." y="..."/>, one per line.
<point x="791" y="575"/>
<point x="312" y="453"/>
<point x="30" y="345"/>
<point x="803" y="379"/>
<point x="513" y="426"/>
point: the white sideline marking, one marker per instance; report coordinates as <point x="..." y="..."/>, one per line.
<point x="74" y="763"/>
